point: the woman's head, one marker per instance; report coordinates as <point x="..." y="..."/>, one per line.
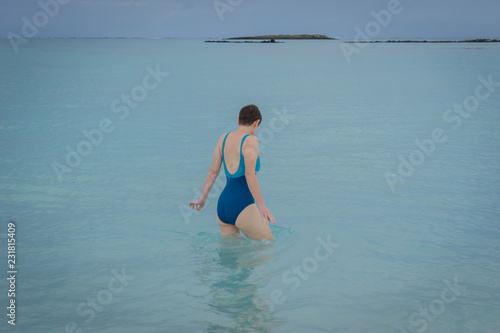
<point x="250" y="116"/>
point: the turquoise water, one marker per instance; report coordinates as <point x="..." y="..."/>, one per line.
<point x="105" y="142"/>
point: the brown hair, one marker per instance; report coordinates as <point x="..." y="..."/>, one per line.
<point x="249" y="114"/>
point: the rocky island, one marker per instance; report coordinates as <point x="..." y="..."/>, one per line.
<point x="268" y="38"/>
<point x="283" y="37"/>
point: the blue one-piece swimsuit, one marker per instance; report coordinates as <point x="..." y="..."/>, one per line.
<point x="236" y="195"/>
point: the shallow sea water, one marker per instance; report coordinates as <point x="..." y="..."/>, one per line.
<point x="108" y="244"/>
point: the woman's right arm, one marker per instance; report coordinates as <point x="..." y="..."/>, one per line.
<point x="251" y="153"/>
<point x="213" y="173"/>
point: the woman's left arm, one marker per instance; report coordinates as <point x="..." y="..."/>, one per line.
<point x="213" y="173"/>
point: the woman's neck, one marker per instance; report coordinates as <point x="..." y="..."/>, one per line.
<point x="244" y="130"/>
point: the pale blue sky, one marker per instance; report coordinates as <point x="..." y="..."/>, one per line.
<point x="199" y="18"/>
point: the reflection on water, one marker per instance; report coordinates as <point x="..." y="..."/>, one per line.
<point x="230" y="272"/>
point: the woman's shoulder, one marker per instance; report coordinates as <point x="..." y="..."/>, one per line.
<point x="252" y="142"/>
<point x="221" y="138"/>
<point x="252" y="139"/>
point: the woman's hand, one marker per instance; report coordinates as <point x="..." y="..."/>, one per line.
<point x="199" y="204"/>
<point x="266" y="215"/>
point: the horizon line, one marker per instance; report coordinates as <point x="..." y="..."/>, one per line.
<point x="157" y="37"/>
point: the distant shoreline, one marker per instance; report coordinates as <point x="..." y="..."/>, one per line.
<point x="246" y="41"/>
<point x="480" y="40"/>
<point x="282" y="37"/>
<point x="267" y="39"/>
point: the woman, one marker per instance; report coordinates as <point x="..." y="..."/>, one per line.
<point x="240" y="205"/>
